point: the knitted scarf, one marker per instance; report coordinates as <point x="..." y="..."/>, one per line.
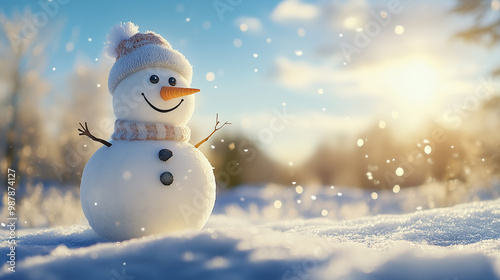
<point x="128" y="130"/>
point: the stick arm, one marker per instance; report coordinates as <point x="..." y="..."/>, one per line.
<point x="215" y="129"/>
<point x="84" y="130"/>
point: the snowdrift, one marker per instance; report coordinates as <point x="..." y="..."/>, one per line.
<point x="251" y="236"/>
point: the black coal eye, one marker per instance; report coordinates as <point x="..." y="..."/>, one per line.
<point x="154" y="79"/>
<point x="172" y="81"/>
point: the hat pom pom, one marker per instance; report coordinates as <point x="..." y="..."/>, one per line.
<point x="119" y="32"/>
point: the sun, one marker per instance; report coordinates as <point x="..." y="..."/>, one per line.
<point x="417" y="81"/>
<point x="411" y="83"/>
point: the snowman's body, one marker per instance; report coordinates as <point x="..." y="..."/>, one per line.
<point x="122" y="193"/>
<point x="149" y="179"/>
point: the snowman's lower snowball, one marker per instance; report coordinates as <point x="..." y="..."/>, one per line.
<point x="123" y="196"/>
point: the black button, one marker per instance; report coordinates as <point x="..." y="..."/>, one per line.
<point x="166" y="178"/>
<point x="165" y="154"/>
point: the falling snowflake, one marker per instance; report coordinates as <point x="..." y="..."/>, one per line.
<point x="301" y="32"/>
<point x="277" y="204"/>
<point x="237" y="43"/>
<point x="400" y="171"/>
<point x="396" y="189"/>
<point x="299" y="189"/>
<point x="428" y="149"/>
<point x="360" y="142"/>
<point x="210" y="76"/>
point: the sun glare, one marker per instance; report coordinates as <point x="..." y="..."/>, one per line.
<point x="414" y="82"/>
<point x="419" y="80"/>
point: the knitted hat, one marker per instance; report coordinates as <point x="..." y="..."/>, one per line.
<point x="136" y="51"/>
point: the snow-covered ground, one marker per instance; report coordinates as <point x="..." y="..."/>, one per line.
<point x="276" y="232"/>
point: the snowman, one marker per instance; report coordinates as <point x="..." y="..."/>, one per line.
<point x="148" y="179"/>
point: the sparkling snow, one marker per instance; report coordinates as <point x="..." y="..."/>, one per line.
<point x="264" y="233"/>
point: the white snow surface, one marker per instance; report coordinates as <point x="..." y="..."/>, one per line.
<point x="265" y="233"/>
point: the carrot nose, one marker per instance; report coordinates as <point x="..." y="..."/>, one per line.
<point x="168" y="93"/>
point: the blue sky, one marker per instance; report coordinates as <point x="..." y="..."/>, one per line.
<point x="287" y="56"/>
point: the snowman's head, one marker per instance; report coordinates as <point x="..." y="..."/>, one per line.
<point x="149" y="80"/>
<point x="158" y="95"/>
